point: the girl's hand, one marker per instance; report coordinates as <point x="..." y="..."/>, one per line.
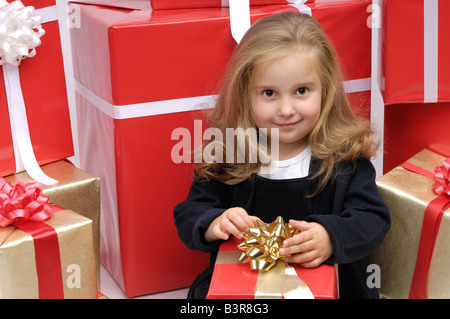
<point x="233" y="221"/>
<point x="310" y="248"/>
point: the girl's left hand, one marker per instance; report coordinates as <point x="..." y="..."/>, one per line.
<point x="310" y="248"/>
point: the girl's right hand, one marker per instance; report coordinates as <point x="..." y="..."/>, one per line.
<point x="234" y="221"/>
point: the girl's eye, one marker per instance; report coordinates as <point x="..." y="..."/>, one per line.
<point x="302" y="91"/>
<point x="268" y="93"/>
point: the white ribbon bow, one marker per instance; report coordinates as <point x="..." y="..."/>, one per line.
<point x="20" y="32"/>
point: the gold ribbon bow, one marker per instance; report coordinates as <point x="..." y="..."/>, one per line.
<point x="261" y="248"/>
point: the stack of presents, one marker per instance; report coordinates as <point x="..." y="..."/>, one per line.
<point x="87" y="112"/>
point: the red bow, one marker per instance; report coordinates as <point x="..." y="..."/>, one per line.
<point x="22" y="202"/>
<point x="442" y="176"/>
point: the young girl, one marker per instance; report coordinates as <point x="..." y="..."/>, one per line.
<point x="285" y="75"/>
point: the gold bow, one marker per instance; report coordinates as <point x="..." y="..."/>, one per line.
<point x="262" y="243"/>
<point x="261" y="248"/>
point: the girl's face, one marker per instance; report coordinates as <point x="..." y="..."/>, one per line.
<point x="286" y="94"/>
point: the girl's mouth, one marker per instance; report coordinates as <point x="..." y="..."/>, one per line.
<point x="287" y="125"/>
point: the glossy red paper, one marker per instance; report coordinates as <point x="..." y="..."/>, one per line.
<point x="38" y="4"/>
<point x="44" y="92"/>
<point x="403" y="57"/>
<point x="183" y="4"/>
<point x="238" y="281"/>
<point x="412" y="127"/>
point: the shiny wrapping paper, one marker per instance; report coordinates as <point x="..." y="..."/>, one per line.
<point x="76" y="190"/>
<point x="18" y="276"/>
<point x="407" y="195"/>
<point x="403" y="139"/>
<point x="235" y="280"/>
<point x="416" y="51"/>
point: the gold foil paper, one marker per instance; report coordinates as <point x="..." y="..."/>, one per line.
<point x="261" y="248"/>
<point x="76" y="190"/>
<point x="262" y="243"/>
<point x="18" y="276"/>
<point x="407" y="195"/>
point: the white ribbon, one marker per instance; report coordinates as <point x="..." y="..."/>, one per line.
<point x="240" y="15"/>
<point x="239" y="18"/>
<point x="20" y="32"/>
<point x="129" y="111"/>
<point x="430" y="81"/>
<point x="301" y="6"/>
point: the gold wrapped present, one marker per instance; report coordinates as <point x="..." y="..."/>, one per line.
<point x="76" y="190"/>
<point x="45" y="251"/>
<point x="408" y="193"/>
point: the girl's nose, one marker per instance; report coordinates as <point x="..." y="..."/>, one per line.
<point x="286" y="108"/>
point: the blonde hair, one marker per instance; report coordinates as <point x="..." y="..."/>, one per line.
<point x="338" y="135"/>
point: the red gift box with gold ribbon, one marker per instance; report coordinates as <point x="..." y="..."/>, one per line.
<point x="235" y="280"/>
<point x="141" y="74"/>
<point x="46" y="252"/>
<point x="40" y="81"/>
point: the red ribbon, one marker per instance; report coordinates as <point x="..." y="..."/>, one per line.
<point x="25" y="207"/>
<point x="430" y="225"/>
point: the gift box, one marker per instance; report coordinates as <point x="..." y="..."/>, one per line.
<point x="416" y="50"/>
<point x="414" y="257"/>
<point x="130" y="68"/>
<point x="45" y="253"/>
<point x="180" y="4"/>
<point x="235" y="280"/>
<point x="76" y="190"/>
<point x="403" y="139"/>
<point x="42" y="85"/>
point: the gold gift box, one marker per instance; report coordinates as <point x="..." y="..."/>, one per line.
<point x="18" y="275"/>
<point x="76" y="190"/>
<point x="407" y="195"/>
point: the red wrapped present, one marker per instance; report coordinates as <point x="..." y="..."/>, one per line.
<point x="182" y="4"/>
<point x="236" y="280"/>
<point x="416" y="51"/>
<point x="141" y="74"/>
<point x="403" y="139"/>
<point x="34" y="112"/>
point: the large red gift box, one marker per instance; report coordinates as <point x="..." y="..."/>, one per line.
<point x="43" y="86"/>
<point x="235" y="280"/>
<point x="416" y="61"/>
<point x="139" y="75"/>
